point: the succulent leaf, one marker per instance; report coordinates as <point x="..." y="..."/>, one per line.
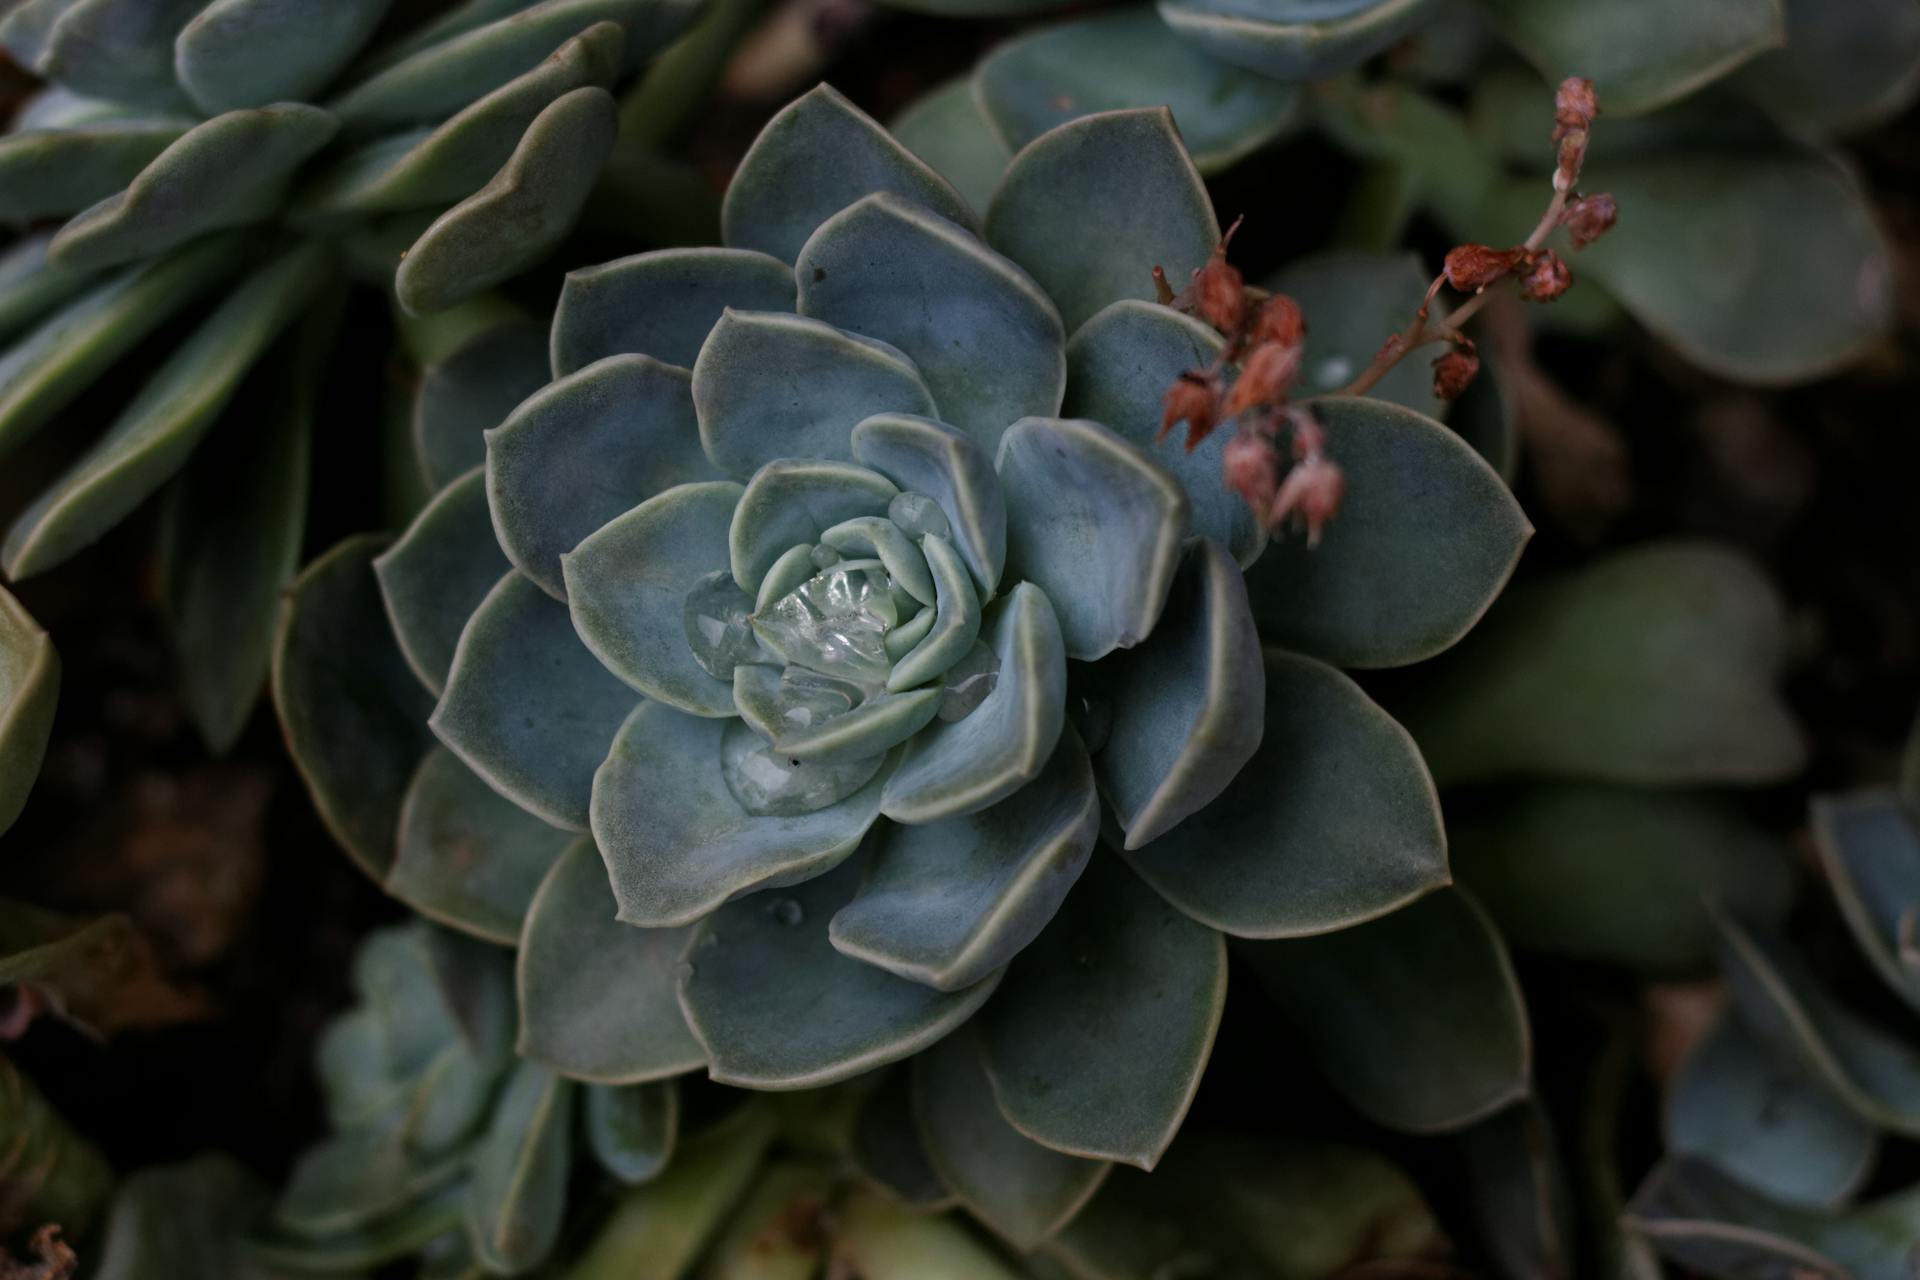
<point x="1353" y="833"/>
<point x="58" y="172"/>
<point x="121" y="50"/>
<point x="1097" y="1040"/>
<point x="586" y="449"/>
<point x="1353" y="297"/>
<point x="923" y="456"/>
<point x="769" y="385"/>
<point x="1123" y="59"/>
<point x="1509" y="1168"/>
<point x="1842" y="68"/>
<point x="25" y="27"/>
<point x="30" y="285"/>
<point x="986" y="338"/>
<point x="887" y="1149"/>
<point x="948" y="129"/>
<point x="631" y="1128"/>
<point x="1091" y="207"/>
<point x="1416" y="1018"/>
<point x="761" y="1241"/>
<point x="218" y="60"/>
<point x="437" y="573"/>
<point x="1302" y="40"/>
<point x="179" y="1219"/>
<point x="829" y="1018"/>
<point x="789" y="502"/>
<point x="598" y="998"/>
<point x="471" y="390"/>
<point x="29" y="690"/>
<point x="395" y="1236"/>
<point x="527" y="706"/>
<point x="519" y="1191"/>
<point x="662" y="304"/>
<point x="818" y="155"/>
<point x="1870" y="852"/>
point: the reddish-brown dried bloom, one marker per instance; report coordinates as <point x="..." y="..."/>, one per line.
<point x="1195" y="400"/>
<point x="1250" y="467"/>
<point x="1590" y="217"/>
<point x="1266" y="375"/>
<point x="1575" y="104"/>
<point x="1472" y="267"/>
<point x="1547" y="278"/>
<point x="1311" y="492"/>
<point x="1280" y="320"/>
<point x="1455" y="371"/>
<point x="1221" y="294"/>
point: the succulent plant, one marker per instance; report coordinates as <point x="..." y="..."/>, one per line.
<point x="1776" y="1120"/>
<point x="29" y="690"/>
<point x="1721" y="169"/>
<point x="874" y="682"/>
<point x="186" y="204"/>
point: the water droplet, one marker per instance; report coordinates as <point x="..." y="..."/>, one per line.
<point x="787" y="911"/>
<point x="716" y="616"/>
<point x="1334" y="371"/>
<point x="1093" y="717"/>
<point x="917" y="515"/>
<point x="825" y="557"/>
<point x="810" y="698"/>
<point x="835" y="622"/>
<point x="969" y="681"/>
<point x="769" y="785"/>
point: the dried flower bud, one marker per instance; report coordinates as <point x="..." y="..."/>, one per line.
<point x="1250" y="467"/>
<point x="1590" y="217"/>
<point x="1221" y="294"/>
<point x="1266" y="376"/>
<point x="1575" y="104"/>
<point x="1195" y="400"/>
<point x="1311" y="492"/>
<point x="1281" y="321"/>
<point x="1472" y="267"/>
<point x="1547" y="278"/>
<point x="1162" y="291"/>
<point x="1455" y="371"/>
<point x="1573" y="158"/>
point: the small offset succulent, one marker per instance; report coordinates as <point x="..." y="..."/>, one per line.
<point x="1776" y="1120"/>
<point x="1722" y="168"/>
<point x="901" y="711"/>
<point x="190" y="184"/>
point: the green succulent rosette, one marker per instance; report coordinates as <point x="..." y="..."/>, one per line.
<point x="1743" y="243"/>
<point x="826" y="666"/>
<point x="192" y="185"/>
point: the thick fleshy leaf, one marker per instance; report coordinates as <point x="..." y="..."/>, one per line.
<point x="121" y="50"/>
<point x="1621" y="875"/>
<point x="1303" y="41"/>
<point x="247" y="53"/>
<point x="1845" y="66"/>
<point x="1091" y="207"/>
<point x="43" y="372"/>
<point x="1654" y="666"/>
<point x="1123" y="59"/>
<point x="769" y="385"/>
<point x="1096" y="524"/>
<point x="1736" y="1105"/>
<point x="1870" y="852"/>
<point x="1188" y="706"/>
<point x="58" y="172"/>
<point x="956" y="619"/>
<point x="24" y="28"/>
<point x="661" y="304"/>
<point x="1023" y="1190"/>
<point x="631" y="1128"/>
<point x="598" y="998"/>
<point x="527" y="706"/>
<point x="30" y="285"/>
<point x="1424" y="542"/>
<point x="627" y="585"/>
<point x="1608" y="44"/>
<point x="887" y="1242"/>
<point x="355" y="1177"/>
<point x="1873" y="1072"/>
<point x="1097" y="1042"/>
<point x="986" y="338"/>
<point x="232" y="526"/>
<point x="1119" y="367"/>
<point x="817" y="156"/>
<point x="403" y="1232"/>
<point x="228" y="172"/>
<point x="791" y="502"/>
<point x="1416" y="1018"/>
<point x="352" y="712"/>
<point x="522" y="214"/>
<point x="468" y="857"/>
<point x="966" y="765"/>
<point x="887" y="1150"/>
<point x="153" y="435"/>
<point x="948" y="902"/>
<point x="448" y="68"/>
<point x="1333" y="821"/>
<point x="182" y="1219"/>
<point x="422" y="169"/>
<point x="1387" y="122"/>
<point x="677" y="840"/>
<point x="591" y="446"/>
<point x="471" y="390"/>
<point x="1509" y="1174"/>
<point x="949" y="466"/>
<point x="829" y="1018"/>
<point x="437" y="574"/>
<point x="759" y="1242"/>
<point x="1719" y="243"/>
<point x="1351" y="298"/>
<point x="29" y="690"/>
<point x="947" y="128"/>
<point x="519" y="1189"/>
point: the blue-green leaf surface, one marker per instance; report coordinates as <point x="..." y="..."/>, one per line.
<point x="58" y="172"/>
<point x="1870" y="852"/>
<point x="471" y="390"/>
<point x="946" y="128"/>
<point x="121" y="50"/>
<point x="1845" y="66"/>
<point x="1352" y="300"/>
<point x="519" y="1191"/>
<point x="437" y="573"/>
<point x="1302" y="40"/>
<point x="951" y="467"/>
<point x="30" y="285"/>
<point x="661" y="304"/>
<point x="630" y="1128"/>
<point x="247" y="53"/>
<point x="793" y="501"/>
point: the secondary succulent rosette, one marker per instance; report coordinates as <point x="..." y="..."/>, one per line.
<point x="908" y="695"/>
<point x="189" y="185"/>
